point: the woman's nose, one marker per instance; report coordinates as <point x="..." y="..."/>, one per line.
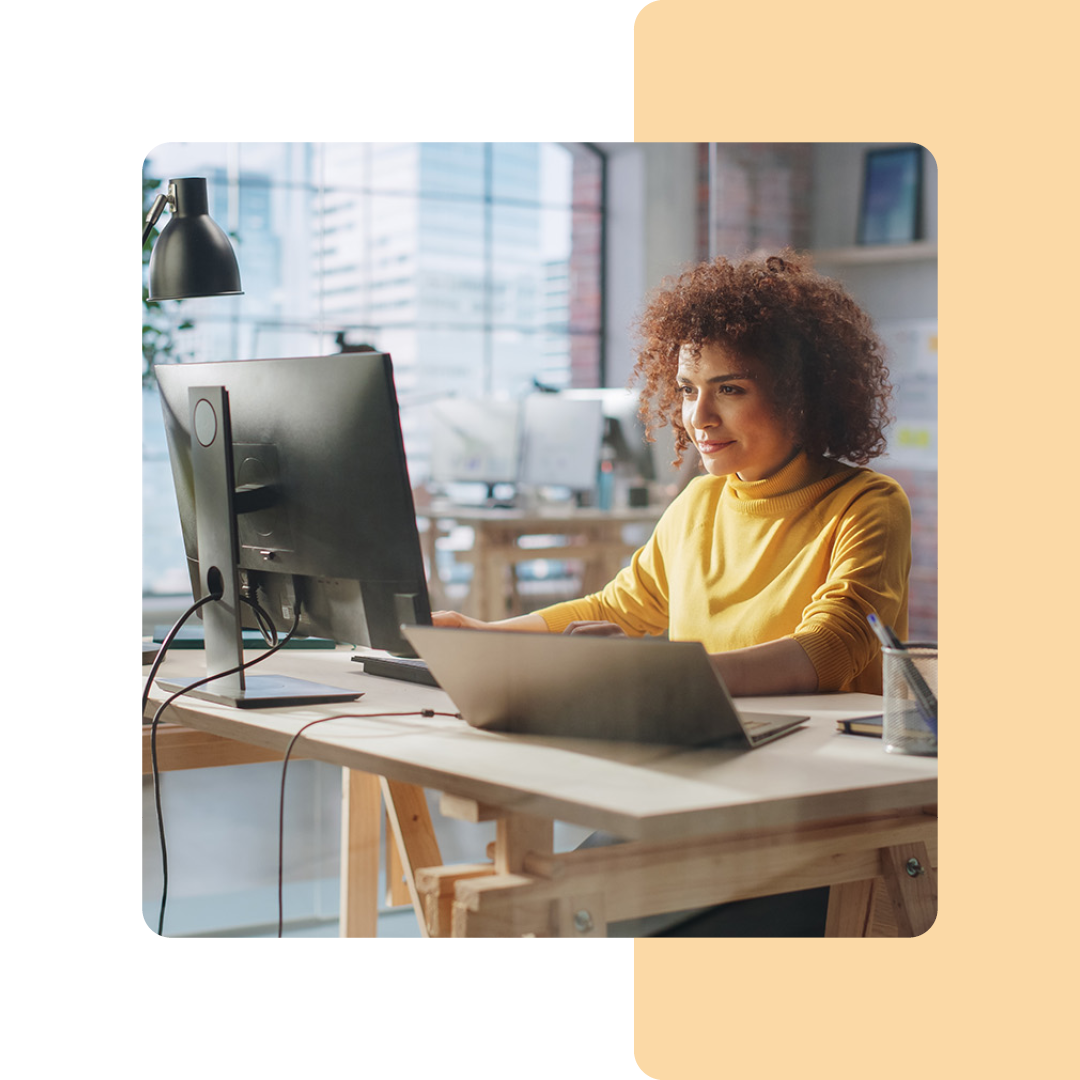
<point x="703" y="415"/>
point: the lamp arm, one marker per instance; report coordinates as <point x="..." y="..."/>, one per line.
<point x="153" y="215"/>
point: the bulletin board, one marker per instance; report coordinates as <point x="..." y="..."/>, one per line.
<point x="913" y="367"/>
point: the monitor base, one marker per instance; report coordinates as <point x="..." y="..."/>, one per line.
<point x="265" y="692"/>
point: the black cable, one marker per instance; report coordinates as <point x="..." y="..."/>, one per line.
<point x="285" y="766"/>
<point x="168" y="640"/>
<point x="266" y="624"/>
<point x="260" y="614"/>
<point x="153" y="737"/>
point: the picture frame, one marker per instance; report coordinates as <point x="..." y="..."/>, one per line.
<point x="890" y="210"/>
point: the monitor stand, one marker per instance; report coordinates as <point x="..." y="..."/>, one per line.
<point x="496" y="502"/>
<point x="218" y="543"/>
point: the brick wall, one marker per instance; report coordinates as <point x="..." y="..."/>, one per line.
<point x="586" y="265"/>
<point x="763" y="197"/>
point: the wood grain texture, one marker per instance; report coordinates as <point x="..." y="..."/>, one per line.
<point x="913" y="895"/>
<point x="412" y="834"/>
<point x="361" y="802"/>
<point x="630" y="880"/>
<point x="181" y="747"/>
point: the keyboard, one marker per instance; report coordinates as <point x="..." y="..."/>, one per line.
<point x="398" y="667"/>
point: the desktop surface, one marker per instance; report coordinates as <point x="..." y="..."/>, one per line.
<point x="632" y="790"/>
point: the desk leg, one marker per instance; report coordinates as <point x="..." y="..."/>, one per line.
<point x="902" y="902"/>
<point x="429" y="545"/>
<point x="602" y="567"/>
<point x="397" y="888"/>
<point x="851" y="909"/>
<point x="437" y="887"/>
<point x="411" y="832"/>
<point x="502" y="906"/>
<point x="361" y="803"/>
<point x="516" y="835"/>
<point x="490" y="580"/>
<point x="912" y="885"/>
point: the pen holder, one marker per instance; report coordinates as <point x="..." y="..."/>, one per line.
<point x="904" y="729"/>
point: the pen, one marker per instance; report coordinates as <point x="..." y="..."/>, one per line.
<point x="924" y="696"/>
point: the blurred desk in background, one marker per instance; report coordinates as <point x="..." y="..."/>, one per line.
<point x="597" y="542"/>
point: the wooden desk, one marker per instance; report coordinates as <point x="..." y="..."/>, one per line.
<point x="814" y="808"/>
<point x="595" y="537"/>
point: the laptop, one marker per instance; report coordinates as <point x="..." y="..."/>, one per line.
<point x="624" y="689"/>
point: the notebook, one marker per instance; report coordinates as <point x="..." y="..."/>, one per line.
<point x="625" y="689"/>
<point x="860" y="725"/>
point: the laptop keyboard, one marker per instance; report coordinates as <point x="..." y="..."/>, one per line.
<point x="404" y="668"/>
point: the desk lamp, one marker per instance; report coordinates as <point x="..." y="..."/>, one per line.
<point x="192" y="256"/>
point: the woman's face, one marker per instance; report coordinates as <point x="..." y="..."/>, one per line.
<point x="728" y="415"/>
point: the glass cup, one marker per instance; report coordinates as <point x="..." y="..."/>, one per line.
<point x="904" y="728"/>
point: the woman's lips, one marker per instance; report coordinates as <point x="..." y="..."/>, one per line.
<point x="713" y="447"/>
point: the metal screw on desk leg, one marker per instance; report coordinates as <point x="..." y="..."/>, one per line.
<point x="915" y="868"/>
<point x="582" y="922"/>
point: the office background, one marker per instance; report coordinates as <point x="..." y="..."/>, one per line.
<point x="482" y="269"/>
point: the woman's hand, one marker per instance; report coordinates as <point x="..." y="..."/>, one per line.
<point x="455" y="618"/>
<point x="595" y="629"/>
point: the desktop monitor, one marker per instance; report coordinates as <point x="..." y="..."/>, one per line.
<point x="561" y="441"/>
<point x="295" y="488"/>
<point x="624" y="429"/>
<point x="475" y="440"/>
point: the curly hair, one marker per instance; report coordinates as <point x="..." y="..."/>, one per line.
<point x="823" y="364"/>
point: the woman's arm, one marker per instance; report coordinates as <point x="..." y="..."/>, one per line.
<point x="776" y="667"/>
<point x="868" y="573"/>
<point x="529" y="623"/>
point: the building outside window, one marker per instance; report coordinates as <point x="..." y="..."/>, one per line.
<point x="475" y="265"/>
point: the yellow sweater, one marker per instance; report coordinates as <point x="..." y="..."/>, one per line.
<point x="807" y="553"/>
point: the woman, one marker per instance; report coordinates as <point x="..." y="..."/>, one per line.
<point x="775" y="557"/>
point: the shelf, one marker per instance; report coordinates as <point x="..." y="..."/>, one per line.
<point x="868" y="254"/>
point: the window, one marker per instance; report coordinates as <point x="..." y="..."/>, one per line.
<point x="476" y="266"/>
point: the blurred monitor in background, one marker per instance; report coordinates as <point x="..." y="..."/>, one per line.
<point x="475" y="441"/>
<point x="624" y="432"/>
<point x="561" y="441"/>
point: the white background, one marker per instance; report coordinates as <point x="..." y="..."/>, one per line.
<point x="89" y="91"/>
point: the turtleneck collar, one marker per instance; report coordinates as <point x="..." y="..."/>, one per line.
<point x="798" y="480"/>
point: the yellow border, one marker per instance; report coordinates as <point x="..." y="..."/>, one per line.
<point x="985" y="90"/>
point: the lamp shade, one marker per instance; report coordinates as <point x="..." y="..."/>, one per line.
<point x="192" y="256"/>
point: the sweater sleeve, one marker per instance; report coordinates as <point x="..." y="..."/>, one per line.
<point x="868" y="572"/>
<point x="636" y="600"/>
